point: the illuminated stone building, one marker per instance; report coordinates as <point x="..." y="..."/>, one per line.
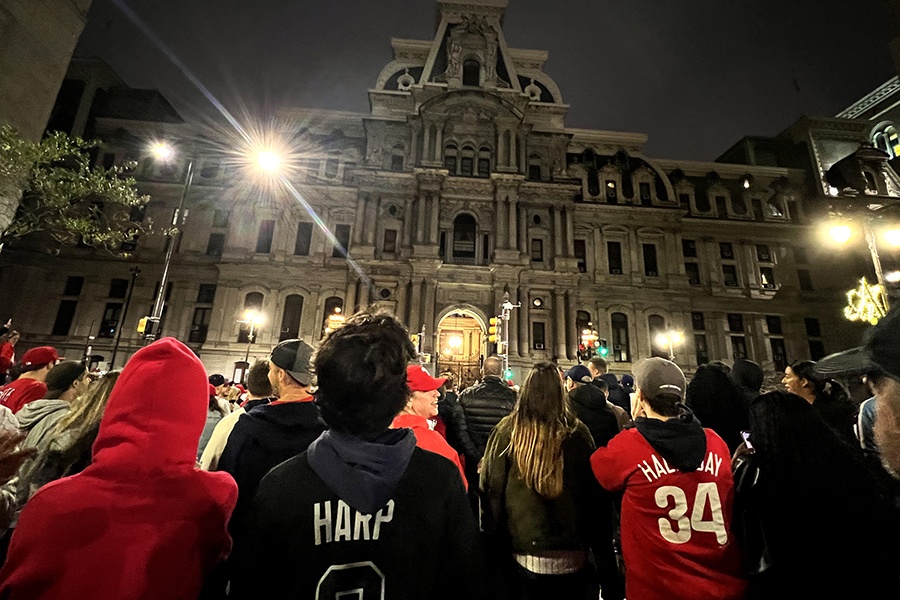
<point x="462" y="183"/>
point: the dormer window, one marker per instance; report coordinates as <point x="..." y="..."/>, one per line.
<point x="471" y="74"/>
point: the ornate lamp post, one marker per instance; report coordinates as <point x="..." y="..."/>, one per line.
<point x="669" y="339"/>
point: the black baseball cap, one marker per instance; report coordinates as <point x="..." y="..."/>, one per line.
<point x="294" y="356"/>
<point x="880" y="351"/>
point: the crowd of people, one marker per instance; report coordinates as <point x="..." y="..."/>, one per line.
<point x="349" y="470"/>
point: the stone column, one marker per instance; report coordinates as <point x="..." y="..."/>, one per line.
<point x="426" y="145"/>
<point x="570" y="233"/>
<point x="512" y="147"/>
<point x="513" y="241"/>
<point x="435" y="219"/>
<point x="557" y="232"/>
<point x="524" y="323"/>
<point x="421" y="224"/>
<point x="372" y="222"/>
<point x="523" y="229"/>
<point x="408" y="222"/>
<point x="571" y="327"/>
<point x="430" y="302"/>
<point x="363" y="295"/>
<point x="501" y="223"/>
<point x="415" y="305"/>
<point x="361" y="206"/>
<point x="402" y="304"/>
<point x="523" y="158"/>
<point x="559" y="329"/>
<point x="414" y="145"/>
<point x="439" y="141"/>
<point x="350" y="296"/>
<point x="501" y="148"/>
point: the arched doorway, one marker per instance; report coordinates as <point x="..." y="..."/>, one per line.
<point x="460" y="347"/>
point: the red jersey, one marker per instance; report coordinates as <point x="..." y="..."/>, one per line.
<point x="676" y="526"/>
<point x="18" y="393"/>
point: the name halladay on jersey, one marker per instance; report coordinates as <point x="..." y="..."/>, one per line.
<point x="345" y="524"/>
<point x="660" y="467"/>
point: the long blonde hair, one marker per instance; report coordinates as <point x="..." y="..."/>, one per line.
<point x="87" y="409"/>
<point x="541" y="421"/>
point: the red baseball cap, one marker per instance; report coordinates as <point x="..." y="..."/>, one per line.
<point x="420" y="380"/>
<point x="40" y="356"/>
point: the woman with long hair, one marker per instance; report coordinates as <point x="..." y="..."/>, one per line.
<point x="815" y="520"/>
<point x="826" y="395"/>
<point x="542" y="506"/>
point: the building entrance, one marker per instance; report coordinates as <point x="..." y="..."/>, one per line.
<point x="460" y="348"/>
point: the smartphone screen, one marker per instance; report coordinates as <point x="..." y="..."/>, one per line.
<point x="746" y="436"/>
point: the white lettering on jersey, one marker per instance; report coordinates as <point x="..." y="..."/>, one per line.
<point x="707" y="494"/>
<point x="338" y="529"/>
<point x="660" y="467"/>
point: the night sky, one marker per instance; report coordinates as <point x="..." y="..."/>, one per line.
<point x="695" y="75"/>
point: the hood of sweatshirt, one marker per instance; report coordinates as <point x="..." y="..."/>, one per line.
<point x="33" y="412"/>
<point x="681" y="440"/>
<point x="148" y="428"/>
<point x="588" y="397"/>
<point x="364" y="473"/>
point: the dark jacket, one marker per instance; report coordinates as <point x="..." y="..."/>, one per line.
<point x="516" y="519"/>
<point x="264" y="437"/>
<point x="589" y="404"/>
<point x="484" y="405"/>
<point x="383" y="517"/>
<point x="617" y="394"/>
<point x="454" y="419"/>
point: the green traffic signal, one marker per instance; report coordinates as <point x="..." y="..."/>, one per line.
<point x="508" y="374"/>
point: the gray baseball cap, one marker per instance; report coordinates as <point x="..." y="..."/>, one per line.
<point x="655" y="376"/>
<point x="294" y="356"/>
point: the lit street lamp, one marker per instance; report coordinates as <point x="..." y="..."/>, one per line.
<point x="669" y="339"/>
<point x="266" y="161"/>
<point x="842" y="232"/>
<point x="254" y="319"/>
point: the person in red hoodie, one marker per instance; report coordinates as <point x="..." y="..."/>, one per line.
<point x="141" y="521"/>
<point x="422" y="406"/>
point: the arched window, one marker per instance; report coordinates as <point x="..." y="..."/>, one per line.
<point x="703" y="205"/>
<point x="465" y="232"/>
<point x="252" y="302"/>
<point x="583" y="326"/>
<point x="775" y="209"/>
<point x="871" y="182"/>
<point x="739" y="205"/>
<point x="657" y="325"/>
<point x="534" y="167"/>
<point x="621" y="347"/>
<point x="398" y="156"/>
<point x="484" y="162"/>
<point x="450" y="158"/>
<point x="467" y="161"/>
<point x="290" y="320"/>
<point x="334" y="305"/>
<point x="471" y="74"/>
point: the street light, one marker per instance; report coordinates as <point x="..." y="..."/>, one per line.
<point x="253" y="318"/>
<point x="842" y="232"/>
<point x="669" y="339"/>
<point x="266" y="160"/>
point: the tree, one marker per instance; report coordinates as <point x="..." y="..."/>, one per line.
<point x="62" y="196"/>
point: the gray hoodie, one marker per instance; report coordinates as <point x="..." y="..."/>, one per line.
<point x="37" y="418"/>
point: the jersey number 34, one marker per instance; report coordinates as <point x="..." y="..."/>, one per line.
<point x="680" y="533"/>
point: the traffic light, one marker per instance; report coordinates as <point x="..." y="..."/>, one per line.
<point x="494" y="328"/>
<point x="602" y="348"/>
<point x="508" y="374"/>
<point x="142" y="324"/>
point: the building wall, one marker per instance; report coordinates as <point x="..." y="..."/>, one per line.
<point x="37" y="38"/>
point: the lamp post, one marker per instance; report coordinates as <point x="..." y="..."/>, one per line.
<point x="254" y="319"/>
<point x="265" y="161"/>
<point x="135" y="271"/>
<point x="841" y="233"/>
<point x="669" y="339"/>
<point x="165" y="152"/>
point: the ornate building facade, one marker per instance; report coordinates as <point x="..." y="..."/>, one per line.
<point x="461" y="184"/>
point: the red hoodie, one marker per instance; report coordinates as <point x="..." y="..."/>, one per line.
<point x="141" y="521"/>
<point x="428" y="439"/>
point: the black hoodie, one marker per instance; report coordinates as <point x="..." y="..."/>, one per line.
<point x="264" y="437"/>
<point x="681" y="441"/>
<point x="379" y="516"/>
